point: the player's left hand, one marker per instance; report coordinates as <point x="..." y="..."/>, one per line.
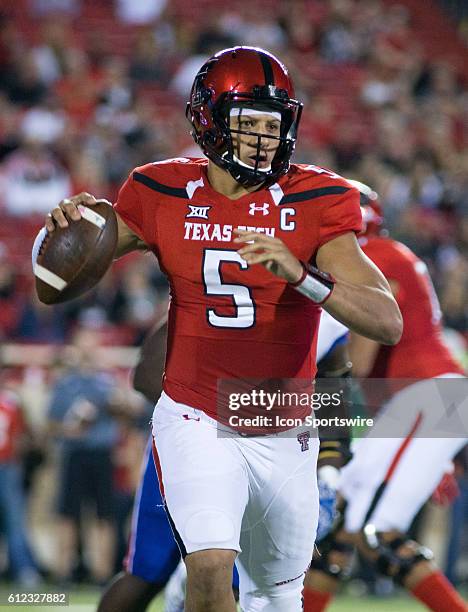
<point x="271" y="252"/>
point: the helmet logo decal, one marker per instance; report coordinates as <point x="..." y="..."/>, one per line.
<point x="263" y="209"/>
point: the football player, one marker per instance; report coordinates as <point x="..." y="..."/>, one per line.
<point x="153" y="554"/>
<point x="397" y="466"/>
<point x="253" y="248"/>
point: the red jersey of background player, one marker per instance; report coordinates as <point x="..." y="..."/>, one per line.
<point x="228" y="320"/>
<point x="11" y="426"/>
<point x="421" y="352"/>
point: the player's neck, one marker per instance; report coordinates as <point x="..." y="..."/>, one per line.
<point x="222" y="182"/>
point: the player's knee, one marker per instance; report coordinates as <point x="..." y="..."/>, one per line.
<point x="334" y="555"/>
<point x="209" y="572"/>
<point x="394" y="554"/>
<point x="335" y="564"/>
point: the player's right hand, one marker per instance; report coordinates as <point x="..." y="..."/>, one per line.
<point x="68" y="210"/>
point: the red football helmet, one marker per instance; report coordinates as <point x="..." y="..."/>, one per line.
<point x="372" y="215"/>
<point x="243" y="77"/>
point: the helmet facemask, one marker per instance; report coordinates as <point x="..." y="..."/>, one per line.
<point x="260" y="144"/>
<point x="219" y="143"/>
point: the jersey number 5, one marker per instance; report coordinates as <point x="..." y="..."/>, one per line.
<point x="244" y="317"/>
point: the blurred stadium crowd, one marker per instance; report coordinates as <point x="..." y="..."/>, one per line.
<point x="90" y="89"/>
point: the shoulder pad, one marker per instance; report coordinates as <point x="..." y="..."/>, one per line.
<point x="305" y="183"/>
<point x="171" y="177"/>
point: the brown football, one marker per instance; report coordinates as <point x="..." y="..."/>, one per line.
<point x="73" y="259"/>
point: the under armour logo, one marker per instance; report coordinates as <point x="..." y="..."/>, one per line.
<point x="201" y="212"/>
<point x="303" y="439"/>
<point x="263" y="209"/>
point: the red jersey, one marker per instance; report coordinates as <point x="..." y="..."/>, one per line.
<point x="228" y="320"/>
<point x="421" y="352"/>
<point x="11" y="426"/>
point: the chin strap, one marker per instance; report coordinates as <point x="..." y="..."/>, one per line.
<point x="241" y="163"/>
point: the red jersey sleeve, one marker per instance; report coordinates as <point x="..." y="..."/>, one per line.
<point x="340" y="216"/>
<point x="386" y="261"/>
<point x="129" y="207"/>
<point x="390" y="262"/>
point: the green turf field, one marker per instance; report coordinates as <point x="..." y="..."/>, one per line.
<point x="85" y="600"/>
